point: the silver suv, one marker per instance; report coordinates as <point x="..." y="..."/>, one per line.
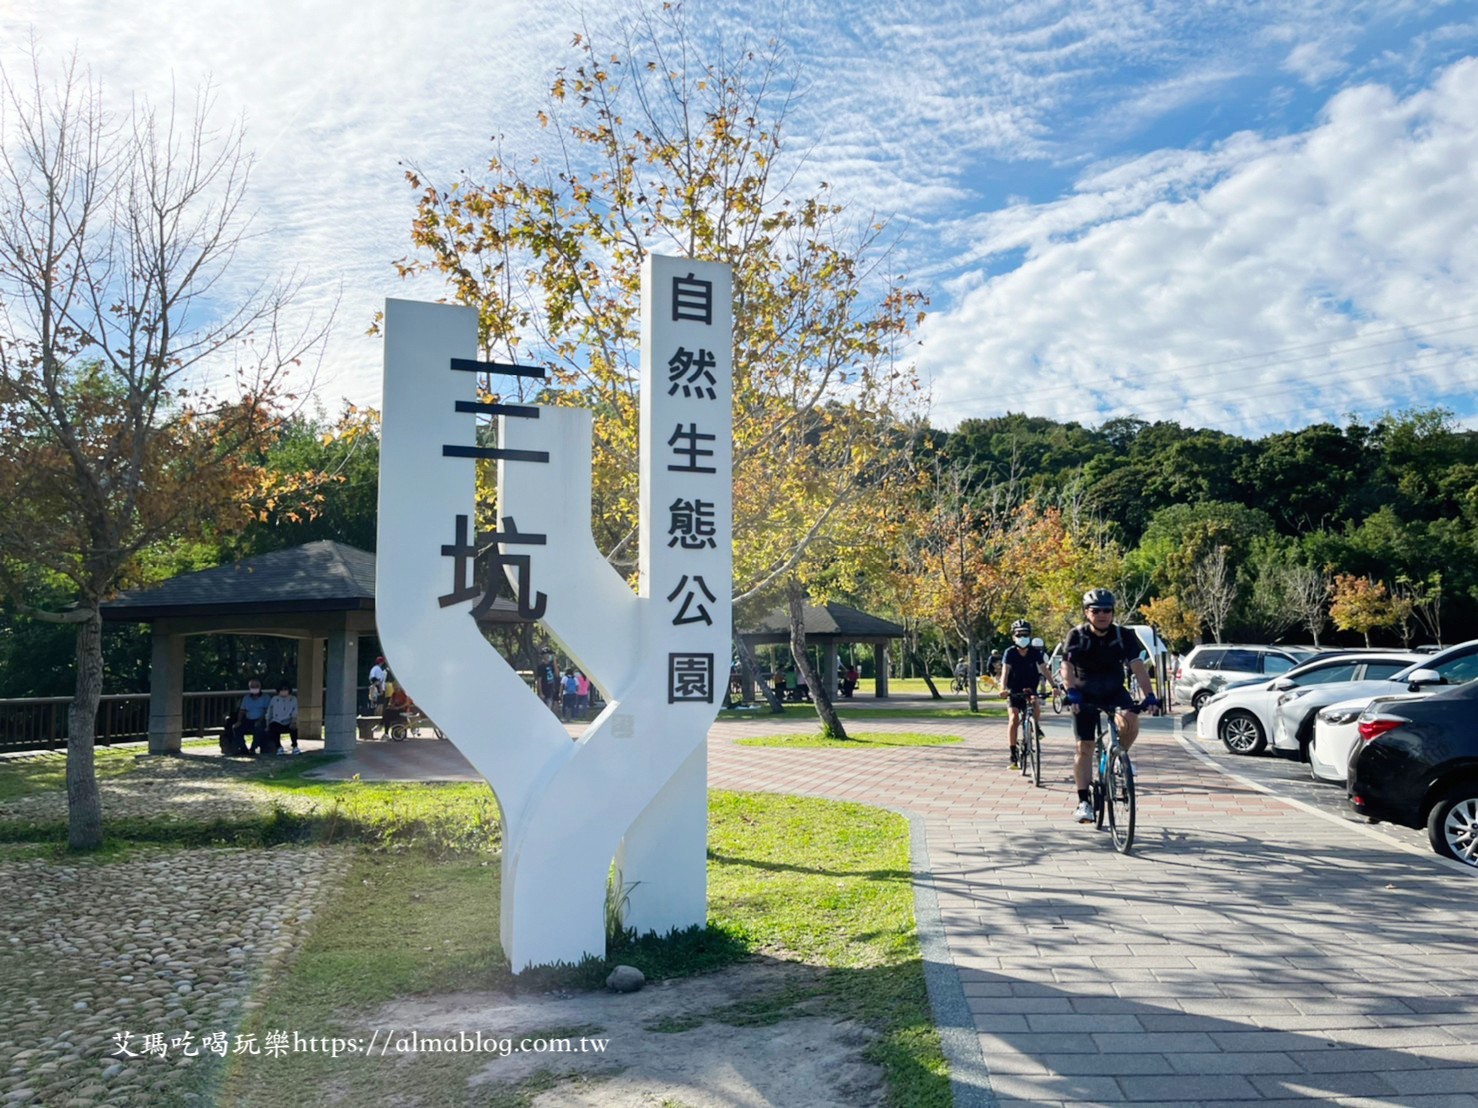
<point x="1212" y="666"/>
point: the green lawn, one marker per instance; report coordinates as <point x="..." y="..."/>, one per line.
<point x="956" y="709"/>
<point x="810" y="881"/>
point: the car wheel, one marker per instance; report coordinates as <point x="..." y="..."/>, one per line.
<point x="1242" y="733"/>
<point x="1199" y="699"/>
<point x="1452" y="826"/>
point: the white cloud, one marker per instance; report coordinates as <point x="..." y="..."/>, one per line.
<point x="918" y="114"/>
<point x="1312" y="276"/>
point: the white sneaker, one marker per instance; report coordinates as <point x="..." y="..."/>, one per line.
<point x="1084" y="813"/>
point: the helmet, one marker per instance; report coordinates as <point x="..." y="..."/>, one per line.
<point x="1099" y="598"/>
<point x="1021" y="627"/>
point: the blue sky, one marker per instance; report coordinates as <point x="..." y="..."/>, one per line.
<point x="1246" y="216"/>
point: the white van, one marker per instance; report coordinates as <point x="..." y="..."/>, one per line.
<point x="1154" y="646"/>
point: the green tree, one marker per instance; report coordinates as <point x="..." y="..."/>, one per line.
<point x="1310" y="478"/>
<point x="115" y="231"/>
<point x="326" y="478"/>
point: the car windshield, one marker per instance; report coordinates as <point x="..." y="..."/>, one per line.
<point x="1326" y="673"/>
<point x="1460" y="666"/>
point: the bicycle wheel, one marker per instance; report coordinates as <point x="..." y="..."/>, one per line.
<point x="1057" y="702"/>
<point x="1024" y="751"/>
<point x="1120" y="785"/>
<point x="1036" y="760"/>
<point x="398" y="732"/>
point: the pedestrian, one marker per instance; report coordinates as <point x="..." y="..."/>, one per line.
<point x="582" y="692"/>
<point x="252" y="715"/>
<point x="569" y="695"/>
<point x="378" y="675"/>
<point x="546" y="680"/>
<point x="282" y="718"/>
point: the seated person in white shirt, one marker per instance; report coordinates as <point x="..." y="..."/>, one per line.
<point x="282" y="717"/>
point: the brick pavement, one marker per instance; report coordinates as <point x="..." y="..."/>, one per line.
<point x="1247" y="951"/>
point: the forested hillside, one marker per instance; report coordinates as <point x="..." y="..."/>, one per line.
<point x="1376" y="521"/>
<point x="1392" y="503"/>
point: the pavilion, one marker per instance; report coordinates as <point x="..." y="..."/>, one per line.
<point x="323" y="595"/>
<point x="830" y="626"/>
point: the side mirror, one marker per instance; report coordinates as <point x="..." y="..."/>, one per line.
<point x="1423" y="677"/>
<point x="1283" y="684"/>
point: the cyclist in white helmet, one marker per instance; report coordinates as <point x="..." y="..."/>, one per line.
<point x="1023" y="668"/>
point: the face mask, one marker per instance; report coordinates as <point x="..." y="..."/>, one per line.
<point x="1023" y="641"/>
<point x="253" y="689"/>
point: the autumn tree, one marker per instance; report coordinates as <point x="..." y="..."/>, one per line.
<point x="958" y="552"/>
<point x="115" y="231"/>
<point x="1057" y="558"/>
<point x="1360" y="604"/>
<point x="1178" y="625"/>
<point x="656" y="148"/>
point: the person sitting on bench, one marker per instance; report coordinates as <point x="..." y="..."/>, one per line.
<point x="252" y="718"/>
<point x="282" y="718"/>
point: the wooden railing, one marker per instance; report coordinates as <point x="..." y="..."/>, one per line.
<point x="40" y="722"/>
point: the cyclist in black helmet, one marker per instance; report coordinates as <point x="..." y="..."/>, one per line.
<point x="1023" y="668"/>
<point x="1096" y="656"/>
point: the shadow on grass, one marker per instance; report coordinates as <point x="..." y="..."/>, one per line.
<point x="790" y="867"/>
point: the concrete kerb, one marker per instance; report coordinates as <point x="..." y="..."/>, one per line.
<point x="969" y="1076"/>
<point x="1366" y="829"/>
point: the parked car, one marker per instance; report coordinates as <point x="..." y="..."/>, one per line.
<point x="1293" y="722"/>
<point x="1417" y="765"/>
<point x="1337" y="732"/>
<point x="1211" y="666"/>
<point x="1241" y="713"/>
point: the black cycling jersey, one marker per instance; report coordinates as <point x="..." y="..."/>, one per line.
<point x="1100" y="661"/>
<point x="1021" y="669"/>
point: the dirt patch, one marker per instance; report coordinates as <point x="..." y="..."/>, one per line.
<point x="735" y="1037"/>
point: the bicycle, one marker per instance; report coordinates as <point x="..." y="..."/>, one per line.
<point x="1113" y="784"/>
<point x="1029" y="746"/>
<point x="1059" y="699"/>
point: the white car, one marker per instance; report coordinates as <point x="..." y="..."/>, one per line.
<point x="1241" y="715"/>
<point x="1293" y="722"/>
<point x="1337" y="732"/>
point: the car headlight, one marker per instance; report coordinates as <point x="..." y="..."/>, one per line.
<point x="1340" y="716"/>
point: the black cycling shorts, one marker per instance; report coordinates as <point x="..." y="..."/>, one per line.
<point x="1085" y="722"/>
<point x="1017" y="698"/>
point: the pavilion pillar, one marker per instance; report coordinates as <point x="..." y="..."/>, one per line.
<point x="310" y="687"/>
<point x="829" y="674"/>
<point x="880" y="669"/>
<point x="166" y="689"/>
<point x="341" y="706"/>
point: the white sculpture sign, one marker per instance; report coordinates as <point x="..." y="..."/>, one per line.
<point x="634" y="787"/>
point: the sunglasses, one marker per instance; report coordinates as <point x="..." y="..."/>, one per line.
<point x="1101" y="611"/>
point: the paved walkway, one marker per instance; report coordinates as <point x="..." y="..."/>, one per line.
<point x="1248" y="949"/>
